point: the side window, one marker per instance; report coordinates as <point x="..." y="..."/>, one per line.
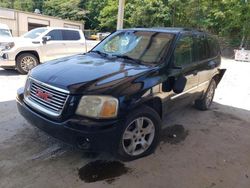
<point x="213" y="46"/>
<point x="71" y="35"/>
<point x="55" y="34"/>
<point x="201" y="48"/>
<point x="183" y="51"/>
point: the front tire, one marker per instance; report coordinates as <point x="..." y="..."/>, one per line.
<point x="140" y="134"/>
<point x="206" y="101"/>
<point x="25" y="62"/>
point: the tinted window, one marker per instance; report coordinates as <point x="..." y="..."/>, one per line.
<point x="183" y="51"/>
<point x="70" y="35"/>
<point x="55" y="34"/>
<point x="213" y="46"/>
<point x="201" y="48"/>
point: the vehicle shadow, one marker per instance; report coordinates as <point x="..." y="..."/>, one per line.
<point x="176" y="127"/>
<point x="10" y="72"/>
<point x="178" y="124"/>
<point x="26" y="147"/>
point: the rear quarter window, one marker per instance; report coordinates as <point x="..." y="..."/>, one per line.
<point x="71" y="35"/>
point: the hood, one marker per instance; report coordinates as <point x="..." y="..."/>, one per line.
<point x="87" y="73"/>
<point x="22" y="40"/>
<point x="6" y="39"/>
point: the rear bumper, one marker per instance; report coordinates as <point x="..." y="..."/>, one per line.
<point x="85" y="135"/>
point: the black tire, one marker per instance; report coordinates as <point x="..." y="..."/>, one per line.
<point x="206" y="101"/>
<point x="23" y="67"/>
<point x="146" y="113"/>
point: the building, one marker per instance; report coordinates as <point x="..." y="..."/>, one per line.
<point x="21" y="22"/>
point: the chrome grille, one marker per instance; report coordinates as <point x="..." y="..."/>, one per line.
<point x="45" y="98"/>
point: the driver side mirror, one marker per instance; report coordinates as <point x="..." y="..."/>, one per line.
<point x="179" y="84"/>
<point x="45" y="39"/>
<point x="175" y="83"/>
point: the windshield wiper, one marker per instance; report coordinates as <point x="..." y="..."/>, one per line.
<point x="128" y="58"/>
<point x="100" y="53"/>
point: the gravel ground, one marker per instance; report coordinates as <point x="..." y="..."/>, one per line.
<point x="208" y="149"/>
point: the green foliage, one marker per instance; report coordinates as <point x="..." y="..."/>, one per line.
<point x="224" y="17"/>
<point x="143" y="13"/>
<point x="93" y="9"/>
<point x="24" y="5"/>
<point x="66" y="9"/>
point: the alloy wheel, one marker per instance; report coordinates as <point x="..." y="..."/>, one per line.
<point x="138" y="136"/>
<point x="27" y="63"/>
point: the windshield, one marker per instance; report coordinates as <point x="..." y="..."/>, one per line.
<point x="34" y="33"/>
<point x="5" y="33"/>
<point x="145" y="46"/>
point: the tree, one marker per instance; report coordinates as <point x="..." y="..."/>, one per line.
<point x="144" y="13"/>
<point x="93" y="9"/>
<point x="66" y="9"/>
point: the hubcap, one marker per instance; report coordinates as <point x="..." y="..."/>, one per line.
<point x="210" y="95"/>
<point x="138" y="136"/>
<point x="27" y="63"/>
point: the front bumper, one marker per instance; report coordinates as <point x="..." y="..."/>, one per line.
<point x="5" y="61"/>
<point x="84" y="134"/>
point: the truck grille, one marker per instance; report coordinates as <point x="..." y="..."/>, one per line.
<point x="45" y="98"/>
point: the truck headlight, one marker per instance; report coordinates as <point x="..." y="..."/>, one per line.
<point x="98" y="106"/>
<point x="7" y="45"/>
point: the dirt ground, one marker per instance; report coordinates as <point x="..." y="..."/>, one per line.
<point x="198" y="149"/>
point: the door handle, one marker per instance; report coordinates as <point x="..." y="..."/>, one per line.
<point x="195" y="72"/>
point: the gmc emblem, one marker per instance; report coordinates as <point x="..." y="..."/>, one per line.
<point x="43" y="95"/>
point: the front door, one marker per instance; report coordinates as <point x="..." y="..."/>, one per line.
<point x="183" y="60"/>
<point x="55" y="47"/>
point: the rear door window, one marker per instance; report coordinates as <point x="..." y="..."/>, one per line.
<point x="201" y="48"/>
<point x="183" y="51"/>
<point x="71" y="35"/>
<point x="55" y="34"/>
<point x="213" y="47"/>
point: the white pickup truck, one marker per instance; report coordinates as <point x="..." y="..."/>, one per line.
<point x="40" y="45"/>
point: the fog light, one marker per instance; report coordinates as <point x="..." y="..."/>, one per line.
<point x="83" y="143"/>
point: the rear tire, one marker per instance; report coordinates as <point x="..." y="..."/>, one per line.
<point x="25" y="62"/>
<point x="206" y="101"/>
<point x="140" y="135"/>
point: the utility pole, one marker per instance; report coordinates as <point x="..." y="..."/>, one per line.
<point x="120" y="14"/>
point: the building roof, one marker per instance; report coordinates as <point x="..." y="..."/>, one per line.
<point x="42" y="15"/>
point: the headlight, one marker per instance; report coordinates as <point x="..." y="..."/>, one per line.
<point x="27" y="86"/>
<point x="98" y="106"/>
<point x="7" y="45"/>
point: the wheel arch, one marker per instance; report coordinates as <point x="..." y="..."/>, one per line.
<point x="217" y="77"/>
<point x="33" y="52"/>
<point x="155" y="103"/>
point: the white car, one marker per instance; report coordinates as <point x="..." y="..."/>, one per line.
<point x="40" y="45"/>
<point x="5" y="35"/>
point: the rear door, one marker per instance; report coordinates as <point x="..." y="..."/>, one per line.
<point x="73" y="41"/>
<point x="183" y="59"/>
<point x="206" y="58"/>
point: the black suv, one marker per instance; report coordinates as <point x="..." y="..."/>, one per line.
<point x="114" y="97"/>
